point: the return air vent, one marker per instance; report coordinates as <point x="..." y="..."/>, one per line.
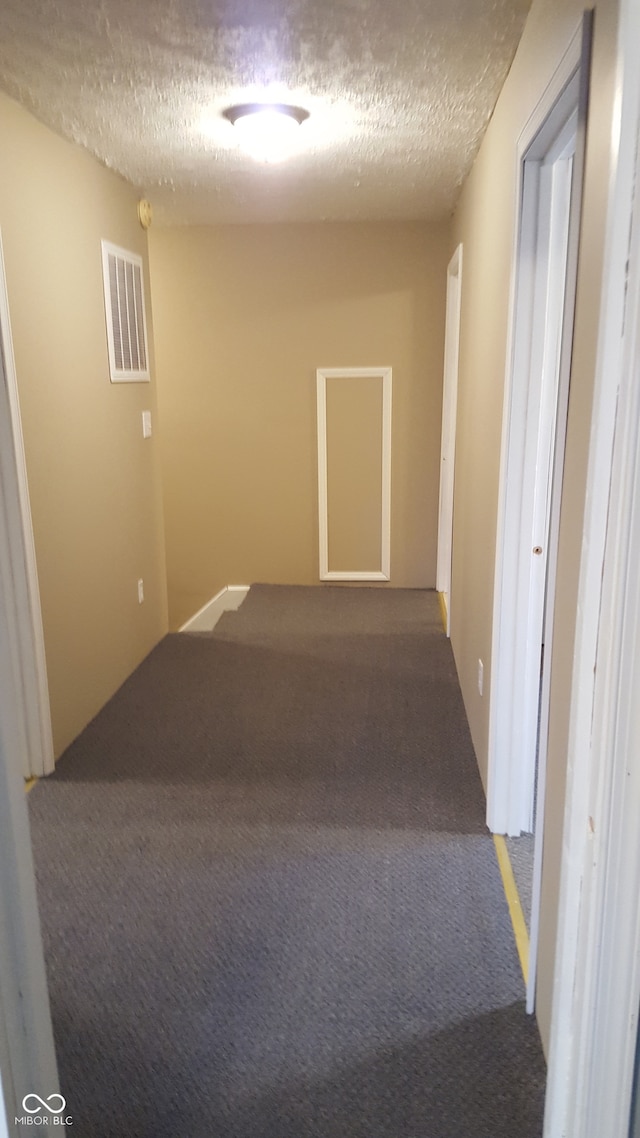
<point x="124" y="310"/>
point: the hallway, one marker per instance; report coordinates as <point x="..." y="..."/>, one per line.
<point x="270" y="905"/>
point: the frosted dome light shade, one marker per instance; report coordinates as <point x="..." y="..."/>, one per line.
<point x="267" y="133"/>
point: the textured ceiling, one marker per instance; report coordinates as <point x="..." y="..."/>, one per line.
<point x="400" y="92"/>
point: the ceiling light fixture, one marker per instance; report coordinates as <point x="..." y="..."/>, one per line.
<point x="267" y="131"/>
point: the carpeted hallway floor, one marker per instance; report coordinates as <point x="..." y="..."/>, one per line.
<point x="270" y="906"/>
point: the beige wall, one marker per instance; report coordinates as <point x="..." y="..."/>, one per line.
<point x="244" y="315"/>
<point x="354" y="473"/>
<point x="484" y="222"/>
<point x="93" y="481"/>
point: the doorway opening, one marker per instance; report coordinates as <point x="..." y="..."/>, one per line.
<point x="27" y="1057"/>
<point x="551" y="156"/>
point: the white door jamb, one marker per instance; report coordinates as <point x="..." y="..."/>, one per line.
<point x="448" y="445"/>
<point x="594" y="1027"/>
<point x="24" y="630"/>
<point x="520" y="572"/>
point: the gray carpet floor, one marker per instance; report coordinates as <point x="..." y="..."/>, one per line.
<point x="270" y="906"/>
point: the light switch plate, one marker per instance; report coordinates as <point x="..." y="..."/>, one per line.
<point x="146" y="424"/>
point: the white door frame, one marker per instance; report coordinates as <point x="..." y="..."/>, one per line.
<point x="24" y="628"/>
<point x="385" y="374"/>
<point x="448" y="443"/>
<point x="527" y="446"/>
<point x="550" y="510"/>
<point x="27" y="1058"/>
<point x="596" y="998"/>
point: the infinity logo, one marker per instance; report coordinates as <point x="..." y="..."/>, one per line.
<point x="44" y="1103"/>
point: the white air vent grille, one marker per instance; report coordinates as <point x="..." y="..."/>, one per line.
<point x="126" y="321"/>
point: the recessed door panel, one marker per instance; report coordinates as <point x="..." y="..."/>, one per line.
<point x="354" y="473"/>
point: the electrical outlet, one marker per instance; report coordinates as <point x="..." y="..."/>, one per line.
<point x="480" y="676"/>
<point x="140" y="591"/>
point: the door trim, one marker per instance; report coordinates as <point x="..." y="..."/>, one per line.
<point x="26" y="636"/>
<point x="575" y="219"/>
<point x="448" y="440"/>
<point x="594" y="1025"/>
<point x="509" y="795"/>
<point x="26" y="1038"/>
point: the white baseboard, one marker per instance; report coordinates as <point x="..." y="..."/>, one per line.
<point x="227" y="600"/>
